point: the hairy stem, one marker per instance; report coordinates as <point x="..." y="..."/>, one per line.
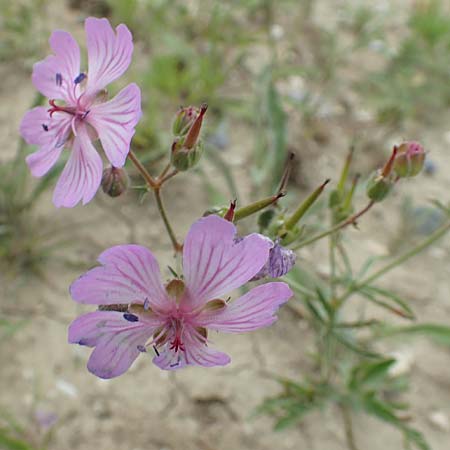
<point x="176" y="246"/>
<point x="142" y="170"/>
<point x="352" y="219"/>
<point x="397" y="261"/>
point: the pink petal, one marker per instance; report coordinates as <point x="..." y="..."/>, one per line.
<point x="196" y="353"/>
<point x="36" y="121"/>
<point x="256" y="309"/>
<point x="82" y="174"/>
<point x="129" y="274"/>
<point x="43" y="160"/>
<point x="214" y="264"/>
<point x="37" y="128"/>
<point x="115" y="338"/>
<point x="65" y="61"/>
<point x="115" y="121"/>
<point x="109" y="54"/>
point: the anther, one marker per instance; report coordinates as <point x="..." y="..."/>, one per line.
<point x="146" y="304"/>
<point x="156" y="350"/>
<point x="79" y="78"/>
<point x="141" y="348"/>
<point x="59" y="80"/>
<point x="45" y="127"/>
<point x="131" y="317"/>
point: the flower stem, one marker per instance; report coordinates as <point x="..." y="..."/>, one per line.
<point x="176" y="246"/>
<point x="343" y="224"/>
<point x="165" y="170"/>
<point x="409" y="254"/>
<point x="155" y="185"/>
<point x="142" y="170"/>
<point x="347" y="419"/>
<point x="398" y="261"/>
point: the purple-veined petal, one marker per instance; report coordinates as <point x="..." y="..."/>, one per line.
<point x="82" y="174"/>
<point x="195" y="353"/>
<point x="115" y="338"/>
<point x="256" y="309"/>
<point x="109" y="53"/>
<point x="41" y="161"/>
<point x="129" y="274"/>
<point x="54" y="76"/>
<point x="214" y="264"/>
<point x="114" y="122"/>
<point x="38" y="128"/>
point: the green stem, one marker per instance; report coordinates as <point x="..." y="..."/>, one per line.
<point x="347" y="418"/>
<point x="398" y="261"/>
<point x="177" y="247"/>
<point x="142" y="170"/>
<point x="343" y="224"/>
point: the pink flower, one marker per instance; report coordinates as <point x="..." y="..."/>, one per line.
<point x="174" y="319"/>
<point x="84" y="115"/>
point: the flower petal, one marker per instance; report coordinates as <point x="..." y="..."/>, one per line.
<point x="214" y="264"/>
<point x="50" y="133"/>
<point x="82" y="174"/>
<point x="196" y="353"/>
<point x="38" y="128"/>
<point x="255" y="309"/>
<point x="114" y="122"/>
<point x="43" y="160"/>
<point x="54" y="76"/>
<point x="129" y="274"/>
<point x="109" y="54"/>
<point x="115" y="338"/>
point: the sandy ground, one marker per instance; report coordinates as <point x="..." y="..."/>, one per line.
<point x="197" y="408"/>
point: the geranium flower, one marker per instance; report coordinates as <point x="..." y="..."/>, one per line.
<point x="138" y="312"/>
<point x="83" y="114"/>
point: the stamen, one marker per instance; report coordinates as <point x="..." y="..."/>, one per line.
<point x="130" y="317"/>
<point x="59" y="79"/>
<point x="156" y="350"/>
<point x="45" y="127"/>
<point x="79" y="78"/>
<point x="177" y="363"/>
<point x="146" y="304"/>
<point x="85" y="114"/>
<point x="141" y="348"/>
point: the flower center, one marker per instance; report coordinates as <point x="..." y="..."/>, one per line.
<point x="77" y="111"/>
<point x="177" y="343"/>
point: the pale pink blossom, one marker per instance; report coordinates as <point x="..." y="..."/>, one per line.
<point x="137" y="312"/>
<point x="79" y="111"/>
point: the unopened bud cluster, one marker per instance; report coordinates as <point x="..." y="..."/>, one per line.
<point x="187" y="148"/>
<point x="407" y="160"/>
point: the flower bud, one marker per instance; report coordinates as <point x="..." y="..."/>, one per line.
<point x="114" y="181"/>
<point x="184" y="119"/>
<point x="378" y="186"/>
<point x="183" y="158"/>
<point x="409" y="160"/>
<point x="187" y="150"/>
<point x="382" y="180"/>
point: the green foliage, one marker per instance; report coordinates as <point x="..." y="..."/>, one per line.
<point x="414" y="83"/>
<point x="20" y="38"/>
<point x="24" y="241"/>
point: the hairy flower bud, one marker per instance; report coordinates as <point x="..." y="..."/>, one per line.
<point x="409" y="160"/>
<point x="378" y="186"/>
<point x="382" y="180"/>
<point x="114" y="181"/>
<point x="187" y="149"/>
<point x="183" y="158"/>
<point x="184" y="119"/>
